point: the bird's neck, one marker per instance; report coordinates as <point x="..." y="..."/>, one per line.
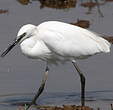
<point x="27" y="45"/>
<point x="35" y="49"/>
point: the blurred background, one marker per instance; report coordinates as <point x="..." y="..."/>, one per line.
<point x="21" y="76"/>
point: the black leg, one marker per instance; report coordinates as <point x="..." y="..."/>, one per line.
<point x="40" y="90"/>
<point x="82" y="79"/>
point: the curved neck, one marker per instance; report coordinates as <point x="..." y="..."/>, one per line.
<point x="27" y="45"/>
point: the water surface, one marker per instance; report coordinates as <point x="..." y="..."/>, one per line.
<point x="19" y="74"/>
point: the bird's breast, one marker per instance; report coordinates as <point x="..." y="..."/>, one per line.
<point x="35" y="49"/>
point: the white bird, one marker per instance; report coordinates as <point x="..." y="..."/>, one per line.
<point x="55" y="42"/>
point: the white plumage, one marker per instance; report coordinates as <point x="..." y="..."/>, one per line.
<point x="56" y="41"/>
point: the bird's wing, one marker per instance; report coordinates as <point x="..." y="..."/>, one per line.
<point x="68" y="40"/>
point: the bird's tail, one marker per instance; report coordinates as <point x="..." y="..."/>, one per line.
<point x="109" y="39"/>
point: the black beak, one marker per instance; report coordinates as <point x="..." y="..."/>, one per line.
<point x="15" y="42"/>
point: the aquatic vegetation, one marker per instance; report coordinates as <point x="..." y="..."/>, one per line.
<point x="58" y="4"/>
<point x="66" y="4"/>
<point x="63" y="107"/>
<point x="82" y="23"/>
<point x="90" y="5"/>
<point x="2" y="11"/>
<point x="24" y="2"/>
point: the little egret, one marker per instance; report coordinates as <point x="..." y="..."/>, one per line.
<point x="55" y="42"/>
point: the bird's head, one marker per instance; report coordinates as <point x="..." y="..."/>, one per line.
<point x="25" y="32"/>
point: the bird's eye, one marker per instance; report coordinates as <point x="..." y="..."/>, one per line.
<point x="20" y="37"/>
<point x="23" y="34"/>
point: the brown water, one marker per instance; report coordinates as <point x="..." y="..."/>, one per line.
<point x="21" y="75"/>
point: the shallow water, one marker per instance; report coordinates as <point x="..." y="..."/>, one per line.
<point x="94" y="99"/>
<point x="21" y="75"/>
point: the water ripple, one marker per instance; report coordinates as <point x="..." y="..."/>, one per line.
<point x="55" y="98"/>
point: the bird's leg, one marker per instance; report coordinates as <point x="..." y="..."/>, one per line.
<point x="41" y="88"/>
<point x="82" y="79"/>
